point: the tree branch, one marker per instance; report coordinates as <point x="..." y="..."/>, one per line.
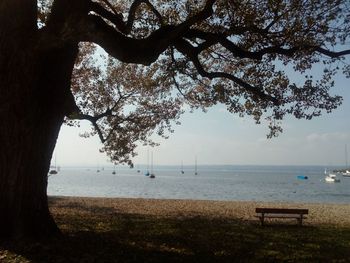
<point x="108" y="112"/>
<point x="110" y="6"/>
<point x="93" y="121"/>
<point x="332" y="54"/>
<point x="142" y="51"/>
<point x="114" y="18"/>
<point x="217" y="38"/>
<point x="132" y="12"/>
<point x="187" y="49"/>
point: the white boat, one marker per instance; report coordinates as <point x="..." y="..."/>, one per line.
<point x="331" y="178"/>
<point x="346" y="173"/>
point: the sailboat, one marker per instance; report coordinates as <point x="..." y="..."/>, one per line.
<point x="195" y="166"/>
<point x="152" y="174"/>
<point x="346" y="172"/>
<point x="138" y="169"/>
<point x="113" y="170"/>
<point x="182" y="168"/>
<point x="54" y="170"/>
<point x="147" y="173"/>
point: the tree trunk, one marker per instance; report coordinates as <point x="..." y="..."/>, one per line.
<point x="27" y="145"/>
<point x="32" y="112"/>
<point x="34" y="88"/>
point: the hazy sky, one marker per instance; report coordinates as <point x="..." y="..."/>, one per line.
<point x="218" y="137"/>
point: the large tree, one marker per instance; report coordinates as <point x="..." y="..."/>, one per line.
<point x="163" y="54"/>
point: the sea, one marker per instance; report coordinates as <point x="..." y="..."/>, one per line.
<point x="212" y="182"/>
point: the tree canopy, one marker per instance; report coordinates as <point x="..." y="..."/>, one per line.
<point x="163" y="55"/>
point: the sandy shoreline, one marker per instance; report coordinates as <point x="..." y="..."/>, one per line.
<point x="334" y="214"/>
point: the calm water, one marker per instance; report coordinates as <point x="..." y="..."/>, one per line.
<point x="261" y="183"/>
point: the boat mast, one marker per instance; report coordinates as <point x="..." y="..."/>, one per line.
<point x="147" y="160"/>
<point x="151" y="162"/>
<point x="152" y="174"/>
<point x="195" y="166"/>
<point x="346" y="157"/>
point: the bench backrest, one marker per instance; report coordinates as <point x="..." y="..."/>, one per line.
<point x="282" y="210"/>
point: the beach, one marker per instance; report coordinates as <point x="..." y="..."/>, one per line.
<point x="319" y="214"/>
<point x="101" y="230"/>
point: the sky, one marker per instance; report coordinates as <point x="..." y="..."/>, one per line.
<point x="219" y="137"/>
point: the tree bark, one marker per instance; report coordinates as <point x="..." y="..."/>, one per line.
<point x="32" y="112"/>
<point x="34" y="90"/>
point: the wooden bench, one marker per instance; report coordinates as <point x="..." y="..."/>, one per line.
<point x="281" y="213"/>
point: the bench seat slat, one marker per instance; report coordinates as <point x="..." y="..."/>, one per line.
<point x="281" y="211"/>
<point x="282" y="216"/>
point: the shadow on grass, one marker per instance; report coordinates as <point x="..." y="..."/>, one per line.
<point x="102" y="235"/>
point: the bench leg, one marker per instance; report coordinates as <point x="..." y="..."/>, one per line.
<point x="300" y="220"/>
<point x="262" y="219"/>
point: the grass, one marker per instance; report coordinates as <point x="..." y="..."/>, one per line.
<point x="98" y="234"/>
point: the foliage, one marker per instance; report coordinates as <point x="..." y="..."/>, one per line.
<point x="201" y="53"/>
<point x="126" y="103"/>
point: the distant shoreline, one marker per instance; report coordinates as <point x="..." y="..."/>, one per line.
<point x="144" y="166"/>
<point x="319" y="214"/>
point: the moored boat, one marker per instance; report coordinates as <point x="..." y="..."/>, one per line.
<point x="55" y="169"/>
<point x="346" y="173"/>
<point x="331" y="178"/>
<point x="302" y="177"/>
